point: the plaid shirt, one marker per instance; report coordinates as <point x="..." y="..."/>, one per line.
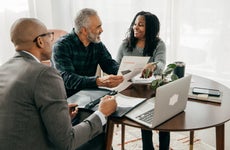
<point x="77" y="64"/>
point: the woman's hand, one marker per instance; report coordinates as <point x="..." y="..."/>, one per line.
<point x="149" y="69"/>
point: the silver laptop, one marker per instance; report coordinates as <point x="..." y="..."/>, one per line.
<point x="170" y="100"/>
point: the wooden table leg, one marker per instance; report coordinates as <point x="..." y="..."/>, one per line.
<point x="220" y="137"/>
<point x="122" y="137"/>
<point x="191" y="137"/>
<point x="109" y="134"/>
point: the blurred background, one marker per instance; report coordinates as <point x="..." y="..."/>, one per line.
<point x="196" y="32"/>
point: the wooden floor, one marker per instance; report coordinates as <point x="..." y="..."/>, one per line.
<point x="204" y="139"/>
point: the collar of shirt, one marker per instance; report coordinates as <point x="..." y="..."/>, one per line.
<point x="32" y="56"/>
<point x="76" y="40"/>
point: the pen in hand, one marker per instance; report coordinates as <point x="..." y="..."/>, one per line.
<point x="148" y="71"/>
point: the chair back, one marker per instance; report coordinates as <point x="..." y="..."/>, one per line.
<point x="57" y="34"/>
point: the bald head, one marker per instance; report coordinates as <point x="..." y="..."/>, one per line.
<point x="24" y="31"/>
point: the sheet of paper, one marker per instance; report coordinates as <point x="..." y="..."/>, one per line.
<point x="132" y="65"/>
<point x="126" y="101"/>
<point x="139" y="79"/>
<point x="120" y="87"/>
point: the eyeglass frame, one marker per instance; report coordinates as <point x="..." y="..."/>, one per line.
<point x="44" y="34"/>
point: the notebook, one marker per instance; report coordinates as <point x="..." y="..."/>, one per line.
<point x="205" y="97"/>
<point x="90" y="98"/>
<point x="170" y="100"/>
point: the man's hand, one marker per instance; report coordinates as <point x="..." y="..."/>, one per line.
<point x="107" y="105"/>
<point x="109" y="81"/>
<point x="73" y="109"/>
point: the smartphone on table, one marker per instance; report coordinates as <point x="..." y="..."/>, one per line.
<point x="209" y="92"/>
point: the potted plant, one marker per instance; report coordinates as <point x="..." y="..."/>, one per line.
<point x="167" y="76"/>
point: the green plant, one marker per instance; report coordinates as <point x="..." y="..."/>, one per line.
<point x="166" y="77"/>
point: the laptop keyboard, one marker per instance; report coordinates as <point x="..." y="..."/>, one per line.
<point x="147" y="116"/>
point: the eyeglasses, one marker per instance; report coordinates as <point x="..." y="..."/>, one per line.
<point x="50" y="34"/>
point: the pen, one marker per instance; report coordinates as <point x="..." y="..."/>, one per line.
<point x="146" y="75"/>
<point x="93" y="103"/>
<point x="97" y="101"/>
<point x="154" y="63"/>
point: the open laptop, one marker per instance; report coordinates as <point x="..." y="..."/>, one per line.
<point x="170" y="100"/>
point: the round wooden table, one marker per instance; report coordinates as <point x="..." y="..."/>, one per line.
<point x="197" y="115"/>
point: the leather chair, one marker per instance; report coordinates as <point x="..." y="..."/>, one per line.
<point x="57" y="34"/>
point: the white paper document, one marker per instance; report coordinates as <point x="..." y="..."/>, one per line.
<point x="126" y="101"/>
<point x="139" y="79"/>
<point x="130" y="66"/>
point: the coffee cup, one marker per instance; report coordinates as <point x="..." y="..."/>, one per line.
<point x="180" y="69"/>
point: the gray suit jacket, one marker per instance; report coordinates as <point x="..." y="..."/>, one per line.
<point x="33" y="109"/>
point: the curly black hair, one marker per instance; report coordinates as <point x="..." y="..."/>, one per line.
<point x="151" y="34"/>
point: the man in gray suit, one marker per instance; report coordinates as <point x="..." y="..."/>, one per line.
<point x="34" y="114"/>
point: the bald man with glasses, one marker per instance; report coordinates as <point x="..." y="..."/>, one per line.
<point x="33" y="109"/>
<point x="50" y="34"/>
